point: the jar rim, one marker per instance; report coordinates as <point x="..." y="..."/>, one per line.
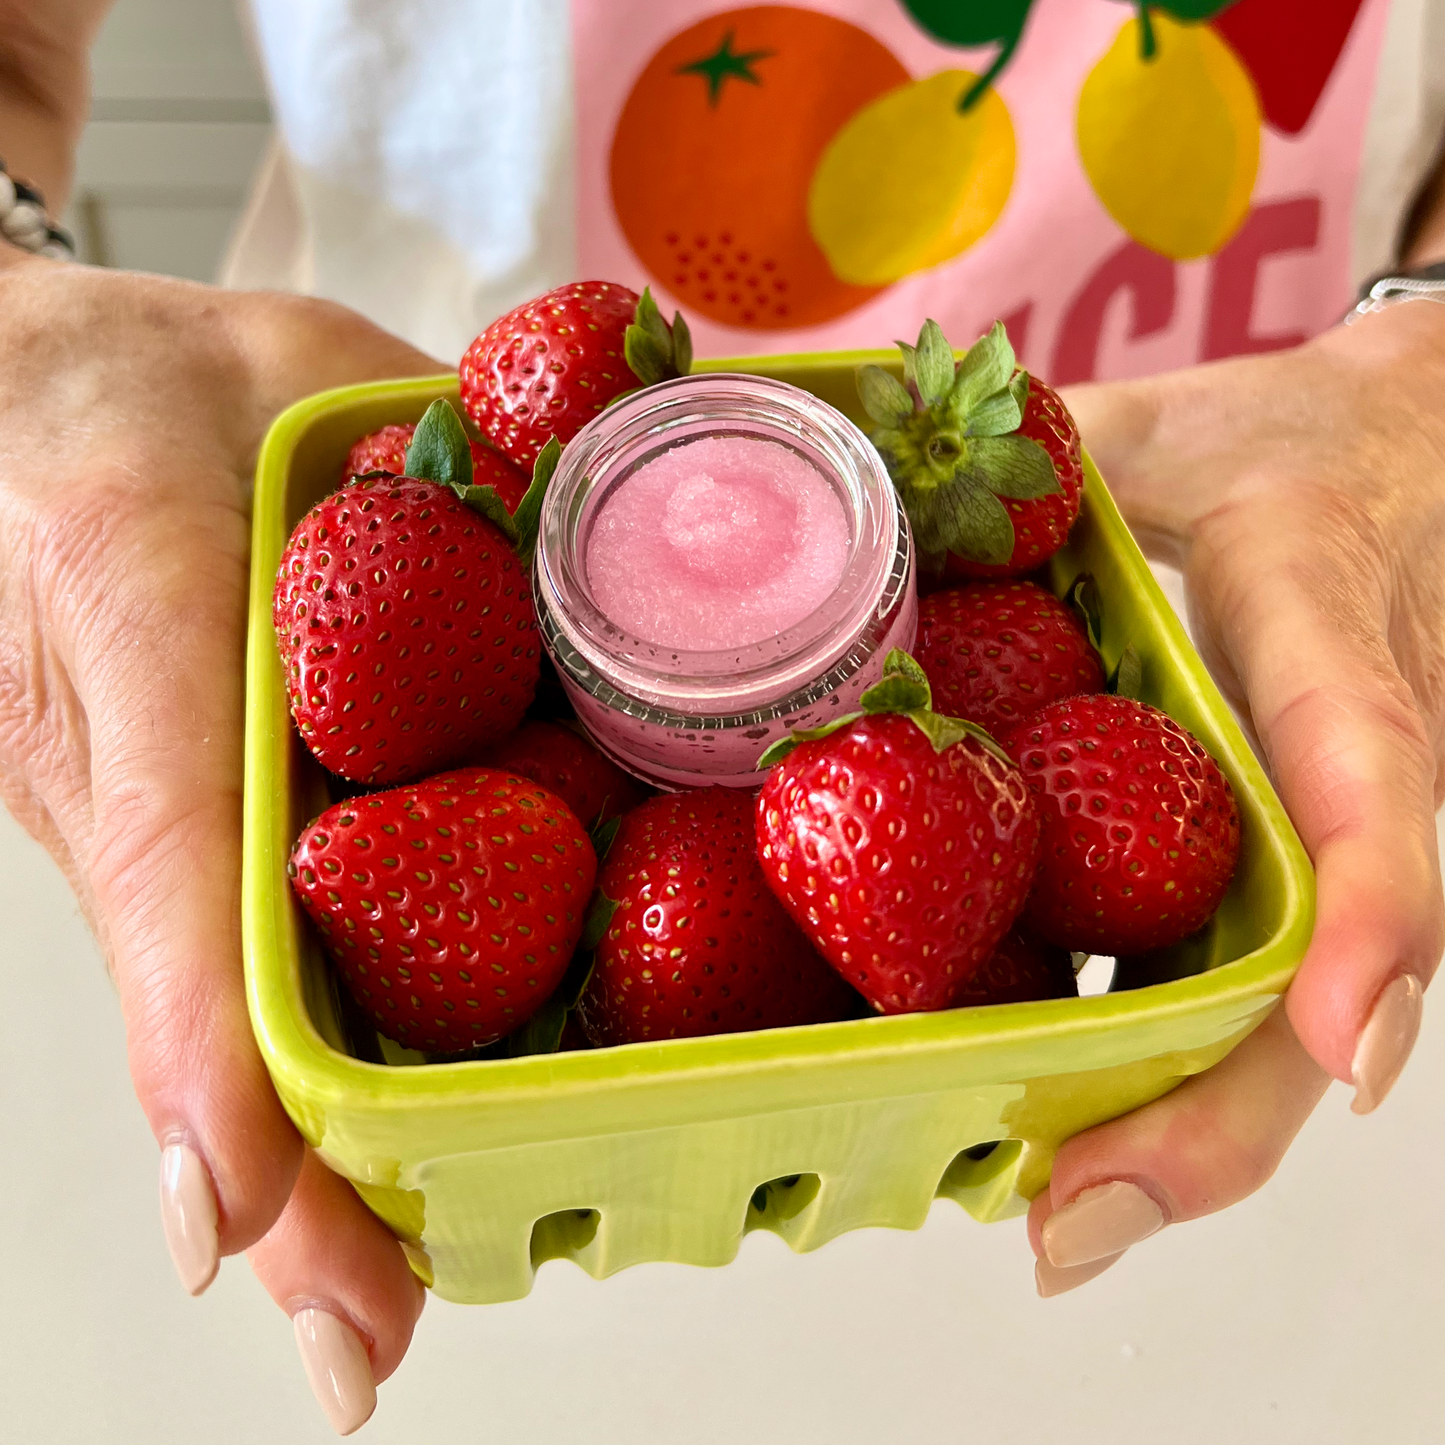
<point x="618" y="441"/>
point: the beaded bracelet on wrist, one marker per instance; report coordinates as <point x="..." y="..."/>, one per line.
<point x="24" y="221"/>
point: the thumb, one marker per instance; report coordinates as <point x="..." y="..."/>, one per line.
<point x="293" y="346"/>
<point x="1119" y="424"/>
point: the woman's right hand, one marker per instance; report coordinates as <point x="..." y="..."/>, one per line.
<point x="131" y="411"/>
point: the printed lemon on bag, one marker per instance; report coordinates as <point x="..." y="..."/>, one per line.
<point x="911" y="180"/>
<point x="1168" y="132"/>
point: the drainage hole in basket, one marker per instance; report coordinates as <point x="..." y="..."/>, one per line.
<point x="1095" y="975"/>
<point x="563" y="1235"/>
<point x="781" y="1199"/>
<point x="979" y="1164"/>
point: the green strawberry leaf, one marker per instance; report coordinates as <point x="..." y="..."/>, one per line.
<point x="599" y="920"/>
<point x="933" y="363"/>
<point x="987" y="367"/>
<point x="528" y="515"/>
<point x="971" y="521"/>
<point x="1083" y="598"/>
<point x="994" y="416"/>
<point x="1019" y="389"/>
<point x="1014" y="467"/>
<point x="681" y="345"/>
<point x="903" y="689"/>
<point x="488" y="503"/>
<point x="649" y="360"/>
<point x="902" y="662"/>
<point x="542" y="1033"/>
<point x="884" y="398"/>
<point x="943" y="732"/>
<point x="952" y="462"/>
<point x="1127" y="679"/>
<point x="439" y="450"/>
<point x="777" y="751"/>
<point x="886" y="442"/>
<point x="649" y="320"/>
<point x="896" y="693"/>
<point x="654" y="350"/>
<point x="909" y="353"/>
<point x="604" y="833"/>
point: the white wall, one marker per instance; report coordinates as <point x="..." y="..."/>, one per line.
<point x="178" y="123"/>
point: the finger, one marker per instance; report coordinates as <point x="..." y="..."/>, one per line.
<point x="1302" y="622"/>
<point x="1213" y="1141"/>
<point x="159" y="668"/>
<point x="339" y="1273"/>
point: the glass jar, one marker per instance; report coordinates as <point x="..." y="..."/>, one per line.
<point x="681" y="718"/>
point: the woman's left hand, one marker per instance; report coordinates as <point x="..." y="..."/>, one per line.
<point x="1302" y="494"/>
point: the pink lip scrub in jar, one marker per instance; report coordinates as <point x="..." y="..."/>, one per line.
<point x="722" y="559"/>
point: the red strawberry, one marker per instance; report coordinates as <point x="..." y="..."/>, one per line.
<point x="995" y="652"/>
<point x="697" y="944"/>
<point x="1141" y="831"/>
<point x="985" y="457"/>
<point x="1023" y="968"/>
<point x="451" y="907"/>
<point x="901" y="842"/>
<point x="1041" y="524"/>
<point x="385" y="451"/>
<point x="405" y="623"/>
<point x="569" y="765"/>
<point x="547" y="368"/>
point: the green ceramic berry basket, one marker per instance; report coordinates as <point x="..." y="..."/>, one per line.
<point x="674" y="1150"/>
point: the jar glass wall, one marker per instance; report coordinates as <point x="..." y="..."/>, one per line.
<point x="692" y="716"/>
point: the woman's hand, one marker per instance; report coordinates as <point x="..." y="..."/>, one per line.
<point x="1303" y="496"/>
<point x="131" y="411"/>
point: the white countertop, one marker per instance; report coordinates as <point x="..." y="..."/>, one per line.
<point x="1310" y="1314"/>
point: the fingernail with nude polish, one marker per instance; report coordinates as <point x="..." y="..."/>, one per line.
<point x="1100" y="1222"/>
<point x="1386" y="1040"/>
<point x="1050" y="1280"/>
<point x="188" y="1216"/>
<point x="338" y="1368"/>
